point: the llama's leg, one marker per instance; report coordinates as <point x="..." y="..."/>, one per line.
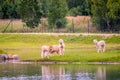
<point x="42" y="54"/>
<point x="60" y="52"/>
<point x="98" y="50"/>
<point x="63" y="51"/>
<point x="101" y="50"/>
<point x="104" y="49"/>
<point x="47" y="54"/>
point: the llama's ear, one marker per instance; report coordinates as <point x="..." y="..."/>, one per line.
<point x="95" y="41"/>
<point x="61" y="41"/>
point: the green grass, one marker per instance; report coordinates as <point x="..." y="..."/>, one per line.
<point x="78" y="48"/>
<point x="3" y="52"/>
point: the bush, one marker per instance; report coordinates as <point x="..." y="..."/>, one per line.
<point x="60" y="23"/>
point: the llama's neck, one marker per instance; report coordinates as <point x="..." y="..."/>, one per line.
<point x="96" y="45"/>
<point x="61" y="45"/>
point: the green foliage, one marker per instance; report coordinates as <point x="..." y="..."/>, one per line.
<point x="9" y="9"/>
<point x="114" y="14"/>
<point x="44" y="7"/>
<point x="99" y="11"/>
<point x="114" y="8"/>
<point x="74" y="11"/>
<point x="57" y="12"/>
<point x="61" y="22"/>
<point x="106" y="15"/>
<point x="2" y="52"/>
<point x="30" y="12"/>
<point x="80" y="7"/>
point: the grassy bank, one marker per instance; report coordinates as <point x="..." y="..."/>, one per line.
<point x="78" y="48"/>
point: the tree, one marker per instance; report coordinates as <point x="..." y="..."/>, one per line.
<point x="78" y="7"/>
<point x="99" y="13"/>
<point x="106" y="14"/>
<point x="30" y="11"/>
<point x="114" y="8"/>
<point x="44" y="7"/>
<point x="88" y="7"/>
<point x="56" y="14"/>
<point x="8" y="9"/>
<point x="114" y="14"/>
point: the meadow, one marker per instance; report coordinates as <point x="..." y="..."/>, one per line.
<point x="79" y="48"/>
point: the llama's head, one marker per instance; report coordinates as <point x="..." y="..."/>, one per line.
<point x="61" y="41"/>
<point x="95" y="41"/>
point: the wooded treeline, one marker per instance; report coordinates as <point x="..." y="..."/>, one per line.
<point x="105" y="14"/>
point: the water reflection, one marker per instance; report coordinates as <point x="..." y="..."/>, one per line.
<point x="53" y="73"/>
<point x="76" y="72"/>
<point x="35" y="71"/>
<point x="101" y="73"/>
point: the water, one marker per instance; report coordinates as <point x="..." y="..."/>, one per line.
<point x="36" y="71"/>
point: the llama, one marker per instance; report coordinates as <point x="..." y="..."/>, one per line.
<point x="100" y="45"/>
<point x="50" y="50"/>
<point x="62" y="46"/>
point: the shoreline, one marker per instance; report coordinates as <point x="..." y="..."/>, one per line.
<point x="58" y="62"/>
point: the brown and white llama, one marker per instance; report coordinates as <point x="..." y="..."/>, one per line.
<point x="50" y="50"/>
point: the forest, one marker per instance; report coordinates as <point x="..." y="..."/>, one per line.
<point x="105" y="14"/>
